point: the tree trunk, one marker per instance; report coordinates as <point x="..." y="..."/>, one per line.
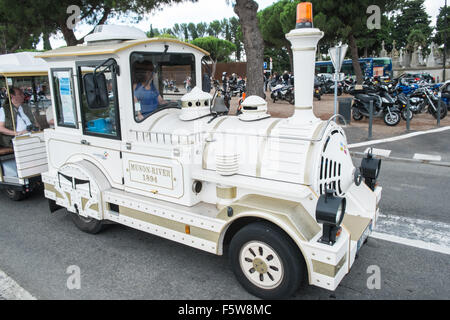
<point x="355" y="59"/>
<point x="253" y="45"/>
<point x="69" y="36"/>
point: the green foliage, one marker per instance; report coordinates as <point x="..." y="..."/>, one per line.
<point x="443" y="27"/>
<point x="220" y="50"/>
<point x="412" y="24"/>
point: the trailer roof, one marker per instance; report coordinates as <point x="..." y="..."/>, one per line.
<point x="22" y="64"/>
<point x="84" y="50"/>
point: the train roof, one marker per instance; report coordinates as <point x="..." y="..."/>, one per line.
<point x="22" y="64"/>
<point x="110" y="48"/>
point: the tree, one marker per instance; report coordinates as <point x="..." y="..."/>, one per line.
<point x="333" y="17"/>
<point x="14" y="33"/>
<point x="236" y="35"/>
<point x="219" y="50"/>
<point x="201" y="29"/>
<point x="215" y="29"/>
<point x="411" y="24"/>
<point x="193" y="31"/>
<point x="253" y="45"/>
<point x="274" y="22"/>
<point x="443" y="27"/>
<point x="27" y="18"/>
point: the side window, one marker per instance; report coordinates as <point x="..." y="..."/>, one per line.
<point x="100" y="121"/>
<point x="160" y="80"/>
<point x="64" y="98"/>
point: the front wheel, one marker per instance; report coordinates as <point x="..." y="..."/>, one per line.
<point x="407" y="114"/>
<point x="392" y="119"/>
<point x="357" y="115"/>
<point x="444" y="112"/>
<point x="266" y="262"/>
<point x="88" y="225"/>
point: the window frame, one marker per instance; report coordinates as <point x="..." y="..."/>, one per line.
<point x="58" y="107"/>
<point x="92" y="64"/>
<point x="193" y="75"/>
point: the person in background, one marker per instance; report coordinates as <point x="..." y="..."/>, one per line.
<point x="286" y="77"/>
<point x="22" y="114"/>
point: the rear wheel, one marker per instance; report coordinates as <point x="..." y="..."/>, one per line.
<point x="392" y="118"/>
<point x="15" y="195"/>
<point x="88" y="225"/>
<point x="266" y="262"/>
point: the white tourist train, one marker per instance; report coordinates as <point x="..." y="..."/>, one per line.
<point x="281" y="195"/>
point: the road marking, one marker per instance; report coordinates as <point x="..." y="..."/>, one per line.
<point x="402" y="137"/>
<point x="410" y="242"/>
<point x="10" y="290"/>
<point x="426" y="157"/>
<point x="419" y="233"/>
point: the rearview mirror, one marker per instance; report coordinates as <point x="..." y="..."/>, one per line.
<point x="96" y="90"/>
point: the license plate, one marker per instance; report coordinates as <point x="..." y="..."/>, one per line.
<point x="364" y="236"/>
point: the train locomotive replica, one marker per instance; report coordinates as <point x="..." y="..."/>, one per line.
<point x="281" y="195"/>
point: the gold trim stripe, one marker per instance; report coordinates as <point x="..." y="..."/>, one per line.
<point x="169" y="224"/>
<point x="328" y="269"/>
<point x="304" y="49"/>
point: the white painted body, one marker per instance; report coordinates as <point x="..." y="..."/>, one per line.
<point x="272" y="169"/>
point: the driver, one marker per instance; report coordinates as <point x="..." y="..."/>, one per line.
<point x="145" y="90"/>
<point x="22" y="114"/>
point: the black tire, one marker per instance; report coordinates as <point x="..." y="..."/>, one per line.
<point x="356" y="115"/>
<point x="88" y="225"/>
<point x="286" y="253"/>
<point x="406" y="115"/>
<point x="444" y="112"/>
<point x="392" y="119"/>
<point x="15" y="195"/>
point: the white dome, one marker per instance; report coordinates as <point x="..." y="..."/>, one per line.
<point x="195" y="95"/>
<point x="254" y="101"/>
<point x="115" y="32"/>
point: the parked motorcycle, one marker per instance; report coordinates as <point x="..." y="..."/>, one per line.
<point x="282" y="92"/>
<point x="384" y="105"/>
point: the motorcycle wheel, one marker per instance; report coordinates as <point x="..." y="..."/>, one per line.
<point x="444" y="112"/>
<point x="406" y="115"/>
<point x="356" y="115"/>
<point x="291" y="98"/>
<point x="392" y="119"/>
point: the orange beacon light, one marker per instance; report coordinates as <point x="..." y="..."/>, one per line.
<point x="304" y="15"/>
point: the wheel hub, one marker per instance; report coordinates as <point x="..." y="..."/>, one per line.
<point x="261" y="264"/>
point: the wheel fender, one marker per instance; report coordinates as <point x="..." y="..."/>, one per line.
<point x="291" y="217"/>
<point x="79" y="187"/>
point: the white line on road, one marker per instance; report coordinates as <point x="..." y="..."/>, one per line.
<point x="419" y="233"/>
<point x="10" y="290"/>
<point x="405" y="136"/>
<point x="410" y="242"/>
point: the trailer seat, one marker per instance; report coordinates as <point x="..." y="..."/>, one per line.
<point x="6" y="151"/>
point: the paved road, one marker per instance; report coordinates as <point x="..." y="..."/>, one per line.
<point x="37" y="247"/>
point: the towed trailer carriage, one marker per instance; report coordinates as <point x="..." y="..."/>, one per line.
<point x="22" y="164"/>
<point x="282" y="195"/>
